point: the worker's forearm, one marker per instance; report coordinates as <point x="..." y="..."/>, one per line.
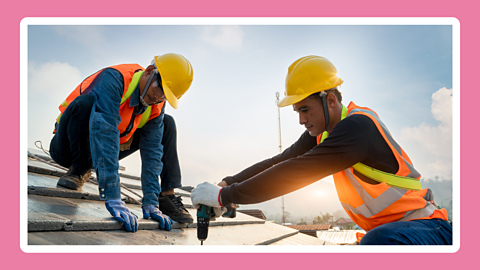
<point x="105" y="152"/>
<point x="104" y="134"/>
<point x="300" y="147"/>
<point x="249" y="172"/>
<point x="274" y="182"/>
<point x="151" y="152"/>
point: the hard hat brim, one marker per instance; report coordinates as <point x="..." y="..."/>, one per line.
<point x="290" y="100"/>
<point x="171" y="98"/>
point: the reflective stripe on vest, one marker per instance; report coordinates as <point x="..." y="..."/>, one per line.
<point x="370" y="205"/>
<point x="409" y="181"/>
<point x="131" y="87"/>
<point x="129" y="123"/>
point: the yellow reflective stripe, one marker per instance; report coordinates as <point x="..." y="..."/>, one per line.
<point x="344" y="115"/>
<point x="64" y="104"/>
<point x="344" y="112"/>
<point x="388" y="178"/>
<point x="145" y="117"/>
<point x="131" y="87"/>
<point x="324" y="136"/>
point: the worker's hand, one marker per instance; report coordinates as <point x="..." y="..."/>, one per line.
<point x="222" y="184"/>
<point x="152" y="211"/>
<point x="118" y="209"/>
<point x="208" y="194"/>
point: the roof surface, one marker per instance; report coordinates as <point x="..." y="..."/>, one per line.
<point x="344" y="221"/>
<point x="343" y="237"/>
<point x="314" y="227"/>
<point x="254" y="213"/>
<point x="58" y="216"/>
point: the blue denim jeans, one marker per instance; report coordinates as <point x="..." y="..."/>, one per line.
<point x="413" y="232"/>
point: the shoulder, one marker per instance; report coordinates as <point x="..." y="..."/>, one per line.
<point x="112" y="78"/>
<point x="359" y="118"/>
<point x="355" y="122"/>
<point x="108" y="84"/>
<point x="112" y="73"/>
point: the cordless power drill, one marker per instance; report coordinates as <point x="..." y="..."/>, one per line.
<point x="204" y="213"/>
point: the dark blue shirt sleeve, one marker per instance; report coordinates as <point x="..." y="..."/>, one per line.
<point x="151" y="152"/>
<point x="300" y="147"/>
<point x="107" y="88"/>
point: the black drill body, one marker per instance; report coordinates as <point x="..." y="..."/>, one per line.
<point x="204" y="213"/>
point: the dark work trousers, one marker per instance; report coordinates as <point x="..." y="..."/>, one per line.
<point x="414" y="232"/>
<point x="70" y="146"/>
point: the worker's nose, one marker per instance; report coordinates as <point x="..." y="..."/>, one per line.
<point x="302" y="119"/>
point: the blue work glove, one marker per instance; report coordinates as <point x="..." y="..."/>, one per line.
<point x="118" y="209"/>
<point x="153" y="212"/>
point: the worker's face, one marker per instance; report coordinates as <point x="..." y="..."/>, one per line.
<point x="155" y="93"/>
<point x="310" y="114"/>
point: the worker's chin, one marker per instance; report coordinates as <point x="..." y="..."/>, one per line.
<point x="314" y="133"/>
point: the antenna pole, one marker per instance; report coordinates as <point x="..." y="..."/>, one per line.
<point x="280" y="148"/>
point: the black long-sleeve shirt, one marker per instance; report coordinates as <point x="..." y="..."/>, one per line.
<point x="354" y="139"/>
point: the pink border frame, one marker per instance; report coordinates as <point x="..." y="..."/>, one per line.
<point x="464" y="11"/>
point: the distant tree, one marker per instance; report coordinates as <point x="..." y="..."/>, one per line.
<point x="318" y="220"/>
<point x="323" y="219"/>
<point x="302" y="222"/>
<point x="287" y="217"/>
<point x="327" y="218"/>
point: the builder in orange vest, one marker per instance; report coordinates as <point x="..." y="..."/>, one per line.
<point x="115" y="112"/>
<point x="375" y="180"/>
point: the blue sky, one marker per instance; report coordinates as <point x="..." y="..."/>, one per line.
<point x="228" y="119"/>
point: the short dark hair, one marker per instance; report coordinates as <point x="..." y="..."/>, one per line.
<point x="334" y="90"/>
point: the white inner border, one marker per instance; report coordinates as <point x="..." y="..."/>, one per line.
<point x="237" y="21"/>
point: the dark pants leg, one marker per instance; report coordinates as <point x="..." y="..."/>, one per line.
<point x="170" y="175"/>
<point x="70" y="146"/>
<point x="413" y="232"/>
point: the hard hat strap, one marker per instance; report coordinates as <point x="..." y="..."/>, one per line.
<point x="323" y="94"/>
<point x="147" y="85"/>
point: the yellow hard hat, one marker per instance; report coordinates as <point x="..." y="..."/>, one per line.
<point x="309" y="75"/>
<point x="176" y="73"/>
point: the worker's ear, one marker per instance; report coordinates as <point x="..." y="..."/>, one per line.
<point x="331" y="100"/>
<point x="149" y="70"/>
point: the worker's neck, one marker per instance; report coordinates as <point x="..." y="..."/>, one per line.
<point x="335" y="114"/>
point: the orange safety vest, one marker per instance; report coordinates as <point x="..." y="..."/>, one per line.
<point x="370" y="206"/>
<point x="131" y="76"/>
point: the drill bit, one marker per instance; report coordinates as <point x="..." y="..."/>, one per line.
<point x="201" y="242"/>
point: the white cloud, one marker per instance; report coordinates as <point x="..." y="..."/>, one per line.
<point x="48" y="85"/>
<point x="53" y="80"/>
<point x="433" y="143"/>
<point x="225" y="37"/>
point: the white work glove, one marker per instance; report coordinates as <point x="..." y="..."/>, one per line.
<point x="207" y="194"/>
